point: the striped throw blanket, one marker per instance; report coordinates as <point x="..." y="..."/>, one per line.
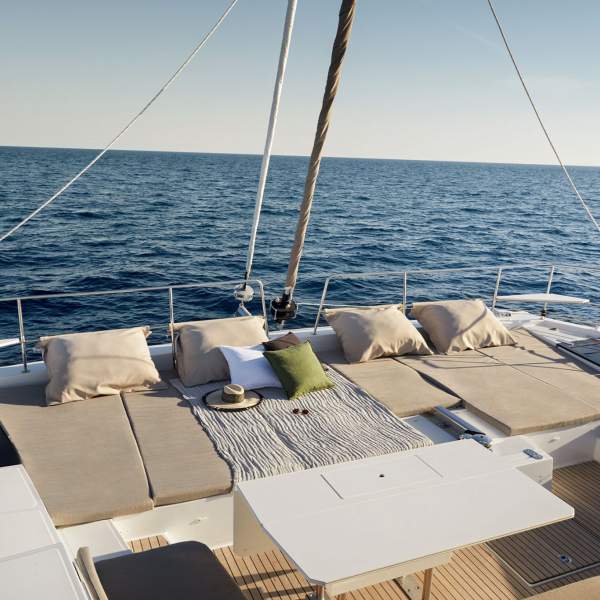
<point x="343" y="423"/>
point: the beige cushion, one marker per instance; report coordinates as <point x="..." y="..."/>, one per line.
<point x="368" y="333"/>
<point x="81" y="456"/>
<point x="587" y="589"/>
<point x="199" y="359"/>
<point x="395" y="385"/>
<point x="541" y="361"/>
<point x="514" y="402"/>
<point x="455" y="325"/>
<point x="180" y="459"/>
<point x="85" y="365"/>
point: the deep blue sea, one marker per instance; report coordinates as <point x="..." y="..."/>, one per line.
<point x="157" y="218"/>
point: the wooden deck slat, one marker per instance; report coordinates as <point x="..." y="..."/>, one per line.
<point x="297" y="591"/>
<point x="273" y="584"/>
<point x="253" y="585"/>
<point x="473" y="574"/>
<point x="302" y="583"/>
<point x="535" y="554"/>
<point x="245" y="582"/>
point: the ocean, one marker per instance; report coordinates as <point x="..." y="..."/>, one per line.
<point x="158" y="218"/>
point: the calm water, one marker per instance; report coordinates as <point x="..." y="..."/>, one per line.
<point x="153" y="218"/>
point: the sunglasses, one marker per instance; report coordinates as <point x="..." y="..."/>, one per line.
<point x="297" y="411"/>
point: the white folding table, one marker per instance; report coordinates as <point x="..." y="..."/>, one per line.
<point x="356" y="524"/>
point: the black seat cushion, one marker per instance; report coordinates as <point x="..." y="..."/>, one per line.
<point x="184" y="571"/>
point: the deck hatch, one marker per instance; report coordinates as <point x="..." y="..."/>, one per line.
<point x="373" y="478"/>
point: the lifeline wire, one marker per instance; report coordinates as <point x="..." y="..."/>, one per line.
<point x="539" y="118"/>
<point x="171" y="79"/>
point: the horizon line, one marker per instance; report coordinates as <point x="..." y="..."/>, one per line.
<point x="472" y="162"/>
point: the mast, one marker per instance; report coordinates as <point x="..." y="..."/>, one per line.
<point x="284" y="307"/>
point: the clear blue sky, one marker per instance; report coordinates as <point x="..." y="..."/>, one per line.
<point x="424" y="79"/>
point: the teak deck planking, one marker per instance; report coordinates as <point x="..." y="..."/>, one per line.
<point x="475" y="573"/>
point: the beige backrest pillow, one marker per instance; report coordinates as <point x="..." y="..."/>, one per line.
<point x="455" y="325"/>
<point x="367" y="333"/>
<point x="101" y="363"/>
<point x="198" y="357"/>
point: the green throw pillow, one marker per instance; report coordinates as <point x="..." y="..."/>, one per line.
<point x="299" y="370"/>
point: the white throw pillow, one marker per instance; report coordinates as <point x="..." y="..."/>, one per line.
<point x="249" y="368"/>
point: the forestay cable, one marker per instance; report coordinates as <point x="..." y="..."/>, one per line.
<point x="264" y="170"/>
<point x="539" y="118"/>
<point x="168" y="83"/>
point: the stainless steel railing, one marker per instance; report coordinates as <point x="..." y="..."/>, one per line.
<point x="23" y="341"/>
<point x="404" y="274"/>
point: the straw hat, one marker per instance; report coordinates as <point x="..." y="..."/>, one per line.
<point x="232" y="397"/>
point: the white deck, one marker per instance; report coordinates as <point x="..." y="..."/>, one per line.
<point x="33" y="562"/>
<point x="211" y="520"/>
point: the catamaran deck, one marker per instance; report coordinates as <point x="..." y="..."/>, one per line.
<point x="473" y="574"/>
<point x="540" y="560"/>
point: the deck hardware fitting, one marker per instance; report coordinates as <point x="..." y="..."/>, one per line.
<point x="533" y="454"/>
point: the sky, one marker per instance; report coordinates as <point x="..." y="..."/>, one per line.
<point x="423" y="79"/>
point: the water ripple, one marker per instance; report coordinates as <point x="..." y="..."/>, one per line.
<point x="148" y="218"/>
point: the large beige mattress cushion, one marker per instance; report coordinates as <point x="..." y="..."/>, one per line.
<point x="180" y="459"/>
<point x="81" y="456"/>
<point x="404" y="391"/>
<point x="514" y="402"/>
<point x="199" y="359"/>
<point x="456" y="325"/>
<point x="588" y="589"/>
<point x="369" y="333"/>
<point x="86" y="365"/>
<point x="540" y="360"/>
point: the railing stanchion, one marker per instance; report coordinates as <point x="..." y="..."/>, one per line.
<point x="22" y="339"/>
<point x="263" y="305"/>
<point x="171" y="324"/>
<point x="404" y="291"/>
<point x="548" y="288"/>
<point x="497" y="288"/>
<point x="323" y="298"/>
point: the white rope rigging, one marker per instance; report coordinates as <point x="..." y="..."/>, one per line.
<point x="264" y="170"/>
<point x="166" y="85"/>
<point x="539" y="118"/>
